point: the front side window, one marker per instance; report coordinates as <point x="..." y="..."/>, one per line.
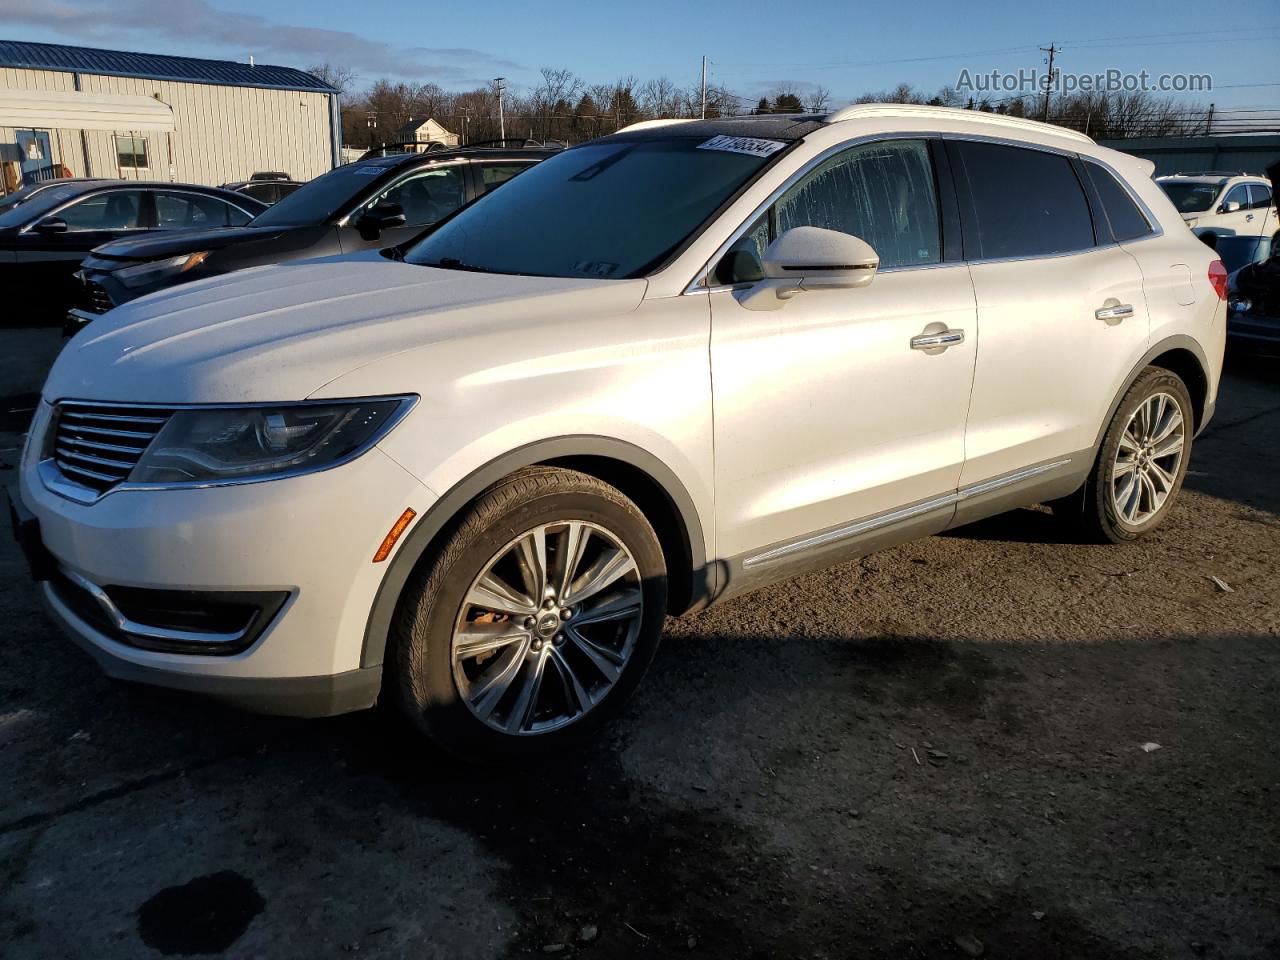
<point x="1237" y="194"/>
<point x="882" y="193"/>
<point x="427" y="195"/>
<point x="610" y="209"/>
<point x="1026" y="203"/>
<point x="131" y="153"/>
<point x="1125" y="219"/>
<point x="116" y="210"/>
<point x="1189" y="196"/>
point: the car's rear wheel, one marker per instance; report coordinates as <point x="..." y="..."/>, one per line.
<point x="535" y="620"/>
<point x="1141" y="463"/>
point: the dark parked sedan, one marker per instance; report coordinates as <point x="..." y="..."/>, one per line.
<point x="360" y="206"/>
<point x="44" y="238"/>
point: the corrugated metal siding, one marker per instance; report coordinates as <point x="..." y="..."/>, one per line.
<point x="222" y="133"/>
<point x="152" y="66"/>
<point x="1251" y="153"/>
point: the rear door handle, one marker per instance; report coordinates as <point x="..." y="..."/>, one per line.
<point x="1119" y="311"/>
<point x="937" y="341"/>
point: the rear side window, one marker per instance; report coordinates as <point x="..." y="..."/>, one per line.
<point x="1259" y="196"/>
<point x="1123" y="215"/>
<point x="1027" y="203"/>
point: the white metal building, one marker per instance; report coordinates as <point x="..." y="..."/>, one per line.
<point x="107" y="113"/>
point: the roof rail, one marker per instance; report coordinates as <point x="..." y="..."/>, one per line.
<point x="865" y="111"/>
<point x="646" y="124"/>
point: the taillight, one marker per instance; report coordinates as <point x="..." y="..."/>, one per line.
<point x="1218" y="279"/>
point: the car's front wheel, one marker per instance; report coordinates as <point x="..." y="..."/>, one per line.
<point x="1141" y="462"/>
<point x="535" y="620"/>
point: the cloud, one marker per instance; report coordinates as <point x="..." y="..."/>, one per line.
<point x="189" y="21"/>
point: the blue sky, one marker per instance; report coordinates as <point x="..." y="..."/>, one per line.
<point x="846" y="47"/>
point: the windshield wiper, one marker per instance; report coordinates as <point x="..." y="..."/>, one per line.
<point x="453" y="263"/>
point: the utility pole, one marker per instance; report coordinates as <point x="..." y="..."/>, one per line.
<point x="1051" y="50"/>
<point x="502" y="123"/>
<point x="704" y="87"/>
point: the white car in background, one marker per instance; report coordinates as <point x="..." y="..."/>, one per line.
<point x="1223" y="204"/>
<point x="472" y="477"/>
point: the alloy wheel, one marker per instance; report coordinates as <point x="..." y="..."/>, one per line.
<point x="547" y="628"/>
<point x="1148" y="459"/>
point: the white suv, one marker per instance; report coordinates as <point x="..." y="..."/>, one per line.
<point x="1223" y="204"/>
<point x="471" y="477"/>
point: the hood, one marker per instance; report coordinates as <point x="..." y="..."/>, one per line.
<point x="171" y="243"/>
<point x="281" y="332"/>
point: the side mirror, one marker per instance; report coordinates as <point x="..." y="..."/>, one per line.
<point x="380" y="217"/>
<point x="51" y="225"/>
<point x="811" y="258"/>
<point x="1229" y="207"/>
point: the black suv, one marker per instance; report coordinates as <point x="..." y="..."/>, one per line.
<point x="364" y="205"/>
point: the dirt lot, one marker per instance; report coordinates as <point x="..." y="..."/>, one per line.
<point x="935" y="752"/>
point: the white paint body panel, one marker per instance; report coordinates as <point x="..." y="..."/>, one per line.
<point x="813" y="425"/>
<point x="776" y="424"/>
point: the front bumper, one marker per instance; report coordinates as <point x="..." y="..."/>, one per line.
<point x="311" y="537"/>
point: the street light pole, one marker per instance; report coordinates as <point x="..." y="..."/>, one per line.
<point x="704" y="87"/>
<point x="502" y="123"/>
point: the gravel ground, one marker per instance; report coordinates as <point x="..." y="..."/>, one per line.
<point x="934" y="752"/>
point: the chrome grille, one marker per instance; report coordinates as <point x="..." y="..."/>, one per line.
<point x="97" y="446"/>
<point x="95" y="299"/>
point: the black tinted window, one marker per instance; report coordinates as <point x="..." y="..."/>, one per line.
<point x="1027" y="203"/>
<point x="1126" y="220"/>
<point x="1239" y="194"/>
<point x="185" y="211"/>
<point x="1259" y="196"/>
<point x="882" y="193"/>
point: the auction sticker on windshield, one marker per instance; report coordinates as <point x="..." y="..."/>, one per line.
<point x="752" y="146"/>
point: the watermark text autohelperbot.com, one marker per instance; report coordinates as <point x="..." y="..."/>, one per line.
<point x="1031" y="81"/>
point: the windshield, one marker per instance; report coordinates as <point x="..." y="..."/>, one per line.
<point x="610" y="210"/>
<point x="41" y="201"/>
<point x="1190" y="197"/>
<point x="318" y="200"/>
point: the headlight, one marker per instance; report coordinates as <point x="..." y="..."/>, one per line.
<point x="139" y="275"/>
<point x="1239" y="304"/>
<point x="221" y="444"/>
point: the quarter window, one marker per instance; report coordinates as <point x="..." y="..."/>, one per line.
<point x="1125" y="219"/>
<point x="131" y="153"/>
<point x="1027" y="203"/>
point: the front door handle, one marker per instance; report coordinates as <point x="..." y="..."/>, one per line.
<point x="1249" y="217"/>
<point x="937" y="341"/>
<point x="1115" y="311"/>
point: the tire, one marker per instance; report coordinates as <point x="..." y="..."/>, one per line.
<point x="550" y="674"/>
<point x="1107" y="509"/>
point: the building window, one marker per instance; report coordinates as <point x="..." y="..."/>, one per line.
<point x="131" y="153"/>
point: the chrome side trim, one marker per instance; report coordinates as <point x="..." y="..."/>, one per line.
<point x="898" y="516"/>
<point x="852" y="530"/>
<point x="133" y="628"/>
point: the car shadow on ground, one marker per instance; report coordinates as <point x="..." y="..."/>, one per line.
<point x="834" y="796"/>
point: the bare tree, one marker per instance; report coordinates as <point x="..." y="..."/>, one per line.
<point x="335" y="75"/>
<point x="817" y="99"/>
